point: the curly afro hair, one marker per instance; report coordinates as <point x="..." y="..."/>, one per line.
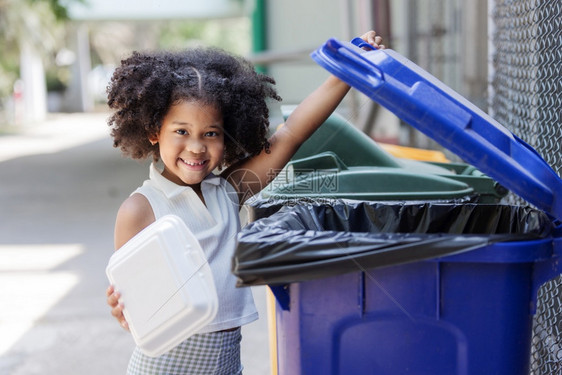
<point x="146" y="85"/>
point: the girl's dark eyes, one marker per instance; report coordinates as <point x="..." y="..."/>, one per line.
<point x="207" y="134"/>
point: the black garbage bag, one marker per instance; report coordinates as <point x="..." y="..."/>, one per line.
<point x="306" y="242"/>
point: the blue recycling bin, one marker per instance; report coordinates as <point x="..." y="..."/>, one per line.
<point x="355" y="294"/>
<point x="466" y="313"/>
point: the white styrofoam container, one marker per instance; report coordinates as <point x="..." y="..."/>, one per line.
<point x="166" y="285"/>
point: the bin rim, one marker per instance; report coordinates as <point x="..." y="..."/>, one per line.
<point x="427" y="104"/>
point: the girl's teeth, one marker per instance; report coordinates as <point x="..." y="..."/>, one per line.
<point x="194" y="164"/>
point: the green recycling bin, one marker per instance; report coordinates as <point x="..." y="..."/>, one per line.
<point x="340" y="162"/>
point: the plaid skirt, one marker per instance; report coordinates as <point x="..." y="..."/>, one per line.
<point x="213" y="353"/>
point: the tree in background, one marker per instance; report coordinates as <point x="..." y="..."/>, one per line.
<point x="111" y="41"/>
<point x="45" y="26"/>
<point x="38" y="24"/>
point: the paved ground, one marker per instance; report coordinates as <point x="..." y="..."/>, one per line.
<point x="61" y="183"/>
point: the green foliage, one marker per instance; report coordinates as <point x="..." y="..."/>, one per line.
<point x="231" y="34"/>
<point x="59" y="11"/>
<point x="9" y="71"/>
<point x="56" y="80"/>
<point x="37" y="22"/>
<point x="58" y="7"/>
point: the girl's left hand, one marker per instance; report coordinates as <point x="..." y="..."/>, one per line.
<point x="373" y="39"/>
<point x="116" y="307"/>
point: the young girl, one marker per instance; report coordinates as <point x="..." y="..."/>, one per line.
<point x="199" y="111"/>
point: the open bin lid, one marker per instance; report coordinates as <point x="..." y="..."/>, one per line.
<point x="424" y="102"/>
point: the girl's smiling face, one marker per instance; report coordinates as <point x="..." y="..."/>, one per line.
<point x="191" y="142"/>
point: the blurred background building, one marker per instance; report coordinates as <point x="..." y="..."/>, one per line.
<point x="60" y="54"/>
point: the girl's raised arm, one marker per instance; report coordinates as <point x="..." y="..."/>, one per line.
<point x="252" y="175"/>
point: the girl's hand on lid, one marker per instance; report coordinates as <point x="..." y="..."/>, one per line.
<point x="373" y="39"/>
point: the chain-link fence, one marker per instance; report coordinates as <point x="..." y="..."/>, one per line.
<point x="525" y="96"/>
<point x="527" y="79"/>
<point x="527" y="99"/>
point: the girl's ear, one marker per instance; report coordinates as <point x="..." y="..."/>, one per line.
<point x="153" y="139"/>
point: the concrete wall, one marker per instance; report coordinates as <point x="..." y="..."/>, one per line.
<point x="296" y="25"/>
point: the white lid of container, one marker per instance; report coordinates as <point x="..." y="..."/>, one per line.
<point x="166" y="285"/>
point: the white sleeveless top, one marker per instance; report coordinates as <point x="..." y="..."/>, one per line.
<point x="215" y="226"/>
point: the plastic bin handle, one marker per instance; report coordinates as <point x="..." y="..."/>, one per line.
<point x="344" y="61"/>
<point x="362" y="44"/>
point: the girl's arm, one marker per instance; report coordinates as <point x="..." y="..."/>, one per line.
<point x="134" y="215"/>
<point x="252" y="175"/>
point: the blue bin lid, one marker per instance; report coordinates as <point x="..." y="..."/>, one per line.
<point x="424" y="102"/>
